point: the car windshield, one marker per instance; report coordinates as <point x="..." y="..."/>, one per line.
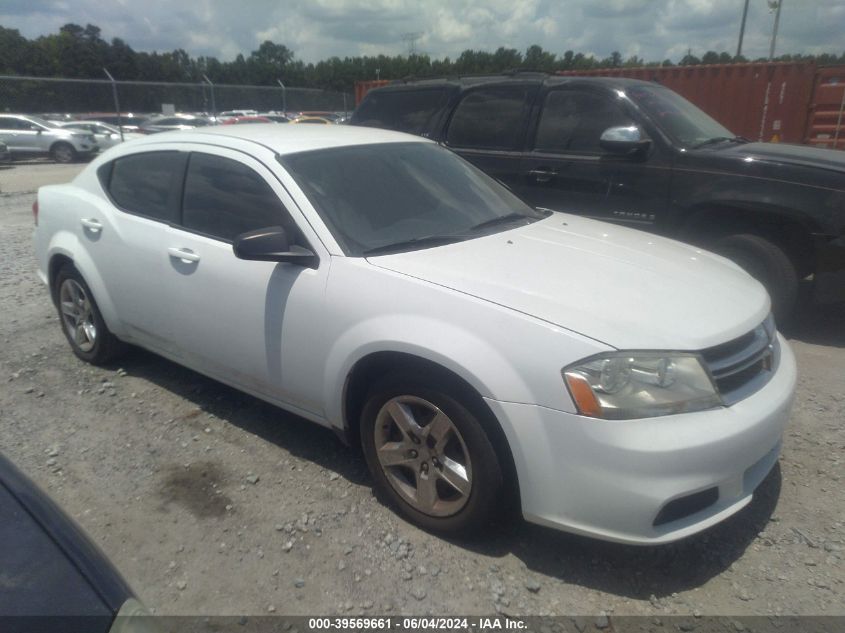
<point x="403" y="196"/>
<point x="683" y="122"/>
<point x="105" y="127"/>
<point x="43" y="122"/>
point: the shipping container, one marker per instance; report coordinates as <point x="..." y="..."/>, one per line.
<point x="788" y="102"/>
<point x="826" y="118"/>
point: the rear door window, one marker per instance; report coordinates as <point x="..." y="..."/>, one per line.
<point x="224" y="198"/>
<point x="411" y="111"/>
<point x="148" y="184"/>
<point x="491" y="118"/>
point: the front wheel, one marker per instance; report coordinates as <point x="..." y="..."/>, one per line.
<point x="430" y="456"/>
<point x="63" y="153"/>
<point x="769" y="265"/>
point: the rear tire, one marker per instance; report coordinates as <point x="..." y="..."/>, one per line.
<point x="436" y="465"/>
<point x="769" y="265"/>
<point x="81" y="320"/>
<point x="63" y="153"/>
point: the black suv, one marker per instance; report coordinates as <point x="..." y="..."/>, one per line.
<point x="636" y="153"/>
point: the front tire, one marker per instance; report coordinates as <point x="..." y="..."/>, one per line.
<point x="769" y="265"/>
<point x="82" y="322"/>
<point x="430" y="456"/>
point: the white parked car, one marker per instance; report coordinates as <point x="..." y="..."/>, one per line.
<point x="105" y="134"/>
<point x="610" y="382"/>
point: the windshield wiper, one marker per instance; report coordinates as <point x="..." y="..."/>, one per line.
<point x="502" y="219"/>
<point x="429" y="240"/>
<point x="720" y="139"/>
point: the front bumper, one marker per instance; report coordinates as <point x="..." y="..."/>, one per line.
<point x="610" y="479"/>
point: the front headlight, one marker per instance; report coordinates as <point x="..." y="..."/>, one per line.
<point x="625" y="385"/>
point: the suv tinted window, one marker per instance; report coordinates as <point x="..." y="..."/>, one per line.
<point x="224" y="198"/>
<point x="490" y="118"/>
<point x="403" y="110"/>
<point x="148" y="184"/>
<point x="573" y="121"/>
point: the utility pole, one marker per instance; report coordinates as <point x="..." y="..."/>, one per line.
<point x="775" y="4"/>
<point x="116" y="102"/>
<point x="742" y="29"/>
<point x="213" y="101"/>
<point x="411" y="40"/>
<point x="284" y="97"/>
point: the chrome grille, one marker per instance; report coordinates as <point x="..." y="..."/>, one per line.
<point x="742" y="366"/>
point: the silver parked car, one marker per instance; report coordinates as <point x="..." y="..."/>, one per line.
<point x="175" y="122"/>
<point x="30" y="136"/>
<point x="106" y="135"/>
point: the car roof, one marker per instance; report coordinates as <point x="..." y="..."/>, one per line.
<point x="284" y="139"/>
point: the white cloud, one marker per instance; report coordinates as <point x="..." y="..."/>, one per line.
<point x="317" y="29"/>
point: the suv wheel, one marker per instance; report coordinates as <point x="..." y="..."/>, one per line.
<point x="769" y="265"/>
<point x="430" y="456"/>
<point x="81" y="320"/>
<point x="63" y="153"/>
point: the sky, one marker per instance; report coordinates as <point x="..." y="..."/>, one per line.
<point x="318" y="29"/>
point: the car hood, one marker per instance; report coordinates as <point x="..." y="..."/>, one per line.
<point x="625" y="288"/>
<point x="802" y="155"/>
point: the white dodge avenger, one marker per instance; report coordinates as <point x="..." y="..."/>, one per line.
<point x="605" y="381"/>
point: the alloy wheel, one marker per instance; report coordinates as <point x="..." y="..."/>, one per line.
<point x="77" y="315"/>
<point x="423" y="456"/>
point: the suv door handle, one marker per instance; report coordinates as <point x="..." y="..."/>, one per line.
<point x="543" y="175"/>
<point x="185" y="254"/>
<point x="92" y="224"/>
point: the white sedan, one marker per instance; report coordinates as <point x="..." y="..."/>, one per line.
<point x="605" y="381"/>
<point x="105" y="134"/>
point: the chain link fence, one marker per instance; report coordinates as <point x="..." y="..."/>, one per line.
<point x="35" y="95"/>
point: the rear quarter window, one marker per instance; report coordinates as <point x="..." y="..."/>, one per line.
<point x="409" y="111"/>
<point x="148" y="184"/>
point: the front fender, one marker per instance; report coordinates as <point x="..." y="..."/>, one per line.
<point x="455" y="348"/>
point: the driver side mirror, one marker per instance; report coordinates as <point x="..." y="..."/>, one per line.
<point x="625" y="140"/>
<point x="272" y="244"/>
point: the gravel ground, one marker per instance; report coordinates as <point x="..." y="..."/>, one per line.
<point x="210" y="501"/>
<point x="26" y="176"/>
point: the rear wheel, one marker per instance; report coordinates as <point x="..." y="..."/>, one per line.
<point x="63" y="153"/>
<point x="768" y="264"/>
<point x="430" y="455"/>
<point x="81" y="320"/>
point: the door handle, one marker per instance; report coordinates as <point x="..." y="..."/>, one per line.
<point x="543" y="175"/>
<point x="92" y="224"/>
<point x="185" y="254"/>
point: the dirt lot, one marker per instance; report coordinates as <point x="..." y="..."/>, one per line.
<point x="212" y="502"/>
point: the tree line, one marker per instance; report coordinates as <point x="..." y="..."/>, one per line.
<point x="80" y="52"/>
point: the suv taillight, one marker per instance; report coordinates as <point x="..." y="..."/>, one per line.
<point x="35" y="211"/>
